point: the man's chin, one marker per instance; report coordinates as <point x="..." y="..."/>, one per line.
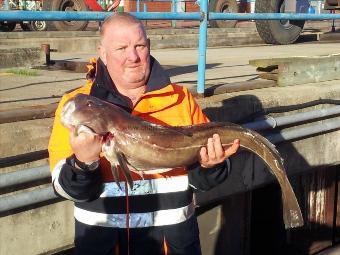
<point x="135" y="80"/>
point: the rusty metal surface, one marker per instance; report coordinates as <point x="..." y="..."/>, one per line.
<point x="317" y="193"/>
<point x="28" y="113"/>
<point x="337" y="204"/>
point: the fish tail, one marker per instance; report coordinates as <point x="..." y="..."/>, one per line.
<point x="267" y="152"/>
<point x="292" y="215"/>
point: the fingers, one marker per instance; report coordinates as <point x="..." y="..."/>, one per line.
<point x="214" y="153"/>
<point x="204" y="158"/>
<point x="219" y="151"/>
<point x="232" y="149"/>
<point x="85" y="145"/>
<point x="211" y="148"/>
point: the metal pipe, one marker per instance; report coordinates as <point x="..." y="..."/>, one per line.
<point x="11" y="202"/>
<point x="272" y="122"/>
<point x="96" y="16"/>
<point x="302" y="132"/>
<point x="24" y="176"/>
<point x="202" y="47"/>
<point x="271" y="16"/>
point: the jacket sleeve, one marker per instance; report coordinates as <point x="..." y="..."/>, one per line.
<point x="67" y="181"/>
<point x="203" y="179"/>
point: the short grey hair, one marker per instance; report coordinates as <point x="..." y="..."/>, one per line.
<point x="120" y="17"/>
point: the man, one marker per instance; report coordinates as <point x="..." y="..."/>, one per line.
<point x="157" y="215"/>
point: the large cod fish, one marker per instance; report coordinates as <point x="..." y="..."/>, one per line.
<point x="137" y="145"/>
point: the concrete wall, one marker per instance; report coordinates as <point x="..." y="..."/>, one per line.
<point x="50" y="227"/>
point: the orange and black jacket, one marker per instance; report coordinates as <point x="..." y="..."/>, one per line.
<point x="157" y="216"/>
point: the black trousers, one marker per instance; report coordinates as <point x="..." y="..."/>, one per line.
<point x="181" y="239"/>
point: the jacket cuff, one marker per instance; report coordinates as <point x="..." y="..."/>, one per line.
<point x="75" y="184"/>
<point x="203" y="179"/>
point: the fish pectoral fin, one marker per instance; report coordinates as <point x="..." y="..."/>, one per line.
<point x="135" y="170"/>
<point x="125" y="168"/>
<point x="115" y="174"/>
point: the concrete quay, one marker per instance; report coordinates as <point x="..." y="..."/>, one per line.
<point x="47" y="228"/>
<point x="15" y="45"/>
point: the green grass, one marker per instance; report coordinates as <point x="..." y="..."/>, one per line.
<point x="23" y="72"/>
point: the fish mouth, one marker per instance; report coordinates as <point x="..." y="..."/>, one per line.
<point x="66" y="114"/>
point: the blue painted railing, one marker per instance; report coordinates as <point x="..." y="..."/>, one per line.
<point x="203" y="16"/>
<point x="97" y="16"/>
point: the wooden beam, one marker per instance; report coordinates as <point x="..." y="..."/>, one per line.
<point x="309" y="71"/>
<point x="300" y="70"/>
<point x="239" y="86"/>
<point x="28" y="113"/>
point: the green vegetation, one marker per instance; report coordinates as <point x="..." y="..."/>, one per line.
<point x="23" y="72"/>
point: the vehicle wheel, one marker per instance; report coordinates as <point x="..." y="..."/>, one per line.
<point x="25" y="26"/>
<point x="7" y="26"/>
<point x="38" y="25"/>
<point x="69" y="5"/>
<point x="226" y="6"/>
<point x="277" y="31"/>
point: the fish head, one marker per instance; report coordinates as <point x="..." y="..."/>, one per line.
<point x="88" y="111"/>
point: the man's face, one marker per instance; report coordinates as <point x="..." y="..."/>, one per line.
<point x="125" y="52"/>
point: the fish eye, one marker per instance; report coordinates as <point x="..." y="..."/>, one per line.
<point x="89" y="103"/>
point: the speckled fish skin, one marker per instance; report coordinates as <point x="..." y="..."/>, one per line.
<point x="147" y="146"/>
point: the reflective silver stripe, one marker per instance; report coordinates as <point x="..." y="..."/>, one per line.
<point x="56" y="184"/>
<point x="153" y="186"/>
<point x="137" y="220"/>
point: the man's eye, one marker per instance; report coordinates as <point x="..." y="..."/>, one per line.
<point x="141" y="46"/>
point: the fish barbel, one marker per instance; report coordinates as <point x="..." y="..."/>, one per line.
<point x="137" y="145"/>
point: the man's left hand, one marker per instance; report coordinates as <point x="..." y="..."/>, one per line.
<point x="214" y="153"/>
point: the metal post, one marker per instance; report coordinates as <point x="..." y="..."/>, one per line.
<point x="47" y="50"/>
<point x="138" y="6"/>
<point x="333" y="21"/>
<point x="202" y="47"/>
<point x="173" y="9"/>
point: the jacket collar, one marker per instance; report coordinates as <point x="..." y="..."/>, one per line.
<point x="104" y="88"/>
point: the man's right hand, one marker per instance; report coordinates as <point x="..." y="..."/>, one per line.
<point x="85" y="145"/>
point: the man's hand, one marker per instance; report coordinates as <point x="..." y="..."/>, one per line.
<point x="214" y="153"/>
<point x="86" y="145"/>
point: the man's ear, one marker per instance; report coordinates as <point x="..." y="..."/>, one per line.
<point x="102" y="54"/>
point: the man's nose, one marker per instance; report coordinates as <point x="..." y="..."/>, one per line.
<point x="133" y="55"/>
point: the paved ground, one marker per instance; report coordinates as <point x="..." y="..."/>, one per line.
<point x="224" y="65"/>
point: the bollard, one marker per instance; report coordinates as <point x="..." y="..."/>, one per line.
<point x="47" y="51"/>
